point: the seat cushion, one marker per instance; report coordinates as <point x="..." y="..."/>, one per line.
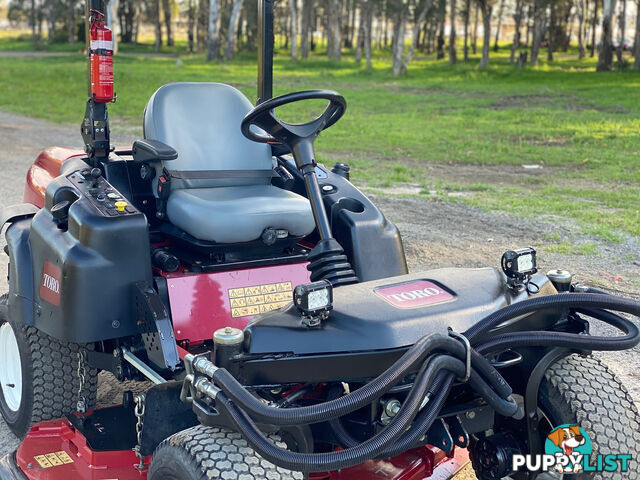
<point x="201" y="121"/>
<point x="239" y="214"/>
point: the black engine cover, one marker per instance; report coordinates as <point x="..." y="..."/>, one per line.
<point x="378" y="320"/>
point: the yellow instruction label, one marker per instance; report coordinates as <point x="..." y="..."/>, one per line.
<point x="247" y="301"/>
<point x="53" y="459"/>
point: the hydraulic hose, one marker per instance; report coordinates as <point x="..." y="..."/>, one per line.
<point x="370" y="448"/>
<point x="565" y="300"/>
<point x="569" y="340"/>
<point x="336" y="408"/>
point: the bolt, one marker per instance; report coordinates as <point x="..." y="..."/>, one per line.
<point x="471" y="415"/>
<point x="115" y="324"/>
<point x="228" y="330"/>
<point x="392" y="407"/>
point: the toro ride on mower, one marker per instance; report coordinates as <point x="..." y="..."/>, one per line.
<point x="269" y="302"/>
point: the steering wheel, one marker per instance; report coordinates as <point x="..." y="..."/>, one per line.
<point x="263" y="116"/>
<point x="299" y="139"/>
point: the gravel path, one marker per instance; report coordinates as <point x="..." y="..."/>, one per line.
<point x="435" y="234"/>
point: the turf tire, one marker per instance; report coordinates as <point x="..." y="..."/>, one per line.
<point x="49" y="377"/>
<point x="206" y="453"/>
<point x="584" y="391"/>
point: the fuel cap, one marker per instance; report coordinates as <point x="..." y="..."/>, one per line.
<point x="228" y="336"/>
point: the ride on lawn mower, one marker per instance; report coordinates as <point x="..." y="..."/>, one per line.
<point x="269" y="302"/>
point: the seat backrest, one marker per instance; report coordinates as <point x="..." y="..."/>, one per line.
<point x="201" y="121"/>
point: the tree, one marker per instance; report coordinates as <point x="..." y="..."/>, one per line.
<point x="453" y="57"/>
<point x="213" y="46"/>
<point x="593" y="28"/>
<point x="191" y="23"/>
<point x="517" y="23"/>
<point x="442" y="19"/>
<point x="474" y="43"/>
<point x="497" y="38"/>
<point x="367" y="5"/>
<point x="582" y="10"/>
<point x="71" y="10"/>
<point x="305" y="27"/>
<point x="334" y="34"/>
<point x="400" y="16"/>
<point x="539" y="19"/>
<point x="166" y="8"/>
<point x="417" y="27"/>
<point x="486" y="7"/>
<point x="605" y="53"/>
<point x="467" y="19"/>
<point x="231" y="32"/>
<point x="622" y="20"/>
<point x="294" y="29"/>
<point x="636" y="43"/>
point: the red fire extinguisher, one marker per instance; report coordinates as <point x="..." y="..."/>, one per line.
<point x="101" y="48"/>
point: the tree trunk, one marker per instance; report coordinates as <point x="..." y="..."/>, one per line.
<point x="158" y="25"/>
<point x="400" y="15"/>
<point x="294" y="29"/>
<point x="305" y="30"/>
<point x="605" y="54"/>
<point x="636" y="43"/>
<point x="51" y="20"/>
<point x="442" y="18"/>
<point x="581" y="14"/>
<point x="213" y="47"/>
<point x="467" y="18"/>
<point x="623" y="28"/>
<point x="496" y="47"/>
<point x="474" y="43"/>
<point x="32" y="20"/>
<point x="593" y="28"/>
<point x="552" y="30"/>
<point x="416" y="33"/>
<point x="368" y="25"/>
<point x="453" y="55"/>
<point x="334" y="45"/>
<point x="517" y="22"/>
<point x="233" y="27"/>
<point x="538" y="30"/>
<point x="72" y="23"/>
<point x="166" y="8"/>
<point x="191" y="23"/>
<point x="360" y="35"/>
<point x="486" y="8"/>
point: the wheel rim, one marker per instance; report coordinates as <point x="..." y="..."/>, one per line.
<point x="10" y="368"/>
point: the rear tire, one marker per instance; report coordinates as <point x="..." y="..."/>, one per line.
<point x="203" y="453"/>
<point x="583" y="391"/>
<point x="47" y="375"/>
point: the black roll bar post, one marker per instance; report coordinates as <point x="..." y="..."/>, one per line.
<point x="265" y="50"/>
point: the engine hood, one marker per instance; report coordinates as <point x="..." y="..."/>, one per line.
<point x="390" y="313"/>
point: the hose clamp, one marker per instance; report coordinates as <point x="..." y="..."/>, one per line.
<point x="467" y="346"/>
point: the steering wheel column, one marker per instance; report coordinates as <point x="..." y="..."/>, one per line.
<point x="327" y="259"/>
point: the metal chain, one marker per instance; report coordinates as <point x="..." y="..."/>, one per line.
<point x="81" y="405"/>
<point x="139" y="413"/>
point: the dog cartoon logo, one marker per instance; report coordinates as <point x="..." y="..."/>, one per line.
<point x="569" y="444"/>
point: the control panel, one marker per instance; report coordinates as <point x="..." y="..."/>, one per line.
<point x="108" y="201"/>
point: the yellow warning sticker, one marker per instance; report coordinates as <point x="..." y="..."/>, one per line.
<point x="257" y="299"/>
<point x="53" y="459"/>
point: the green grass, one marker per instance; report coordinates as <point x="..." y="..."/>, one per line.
<point x="582" y="127"/>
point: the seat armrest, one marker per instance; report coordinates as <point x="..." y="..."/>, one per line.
<point x="152" y="151"/>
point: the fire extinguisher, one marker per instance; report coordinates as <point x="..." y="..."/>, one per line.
<point x="101" y="51"/>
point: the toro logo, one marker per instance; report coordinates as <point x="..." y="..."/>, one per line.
<point x="50" y="284"/>
<point x="414" y="294"/>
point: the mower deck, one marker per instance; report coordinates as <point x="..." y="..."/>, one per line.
<point x="83" y="447"/>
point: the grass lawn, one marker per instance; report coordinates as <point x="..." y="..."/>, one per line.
<point x="448" y="132"/>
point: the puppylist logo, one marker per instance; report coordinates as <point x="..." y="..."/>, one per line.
<point x="567" y="450"/>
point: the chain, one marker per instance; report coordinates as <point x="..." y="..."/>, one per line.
<point x="81" y="405"/>
<point x="139" y="413"/>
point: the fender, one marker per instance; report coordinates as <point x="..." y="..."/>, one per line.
<point x="20" y="264"/>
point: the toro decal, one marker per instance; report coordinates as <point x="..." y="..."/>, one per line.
<point x="50" y="284"/>
<point x="419" y="293"/>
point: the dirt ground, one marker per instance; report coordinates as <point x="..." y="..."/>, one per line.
<point x="435" y="234"/>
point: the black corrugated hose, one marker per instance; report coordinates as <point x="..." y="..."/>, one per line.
<point x="395" y="438"/>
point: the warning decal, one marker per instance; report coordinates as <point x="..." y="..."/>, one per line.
<point x="257" y="299"/>
<point x="54" y="459"/>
